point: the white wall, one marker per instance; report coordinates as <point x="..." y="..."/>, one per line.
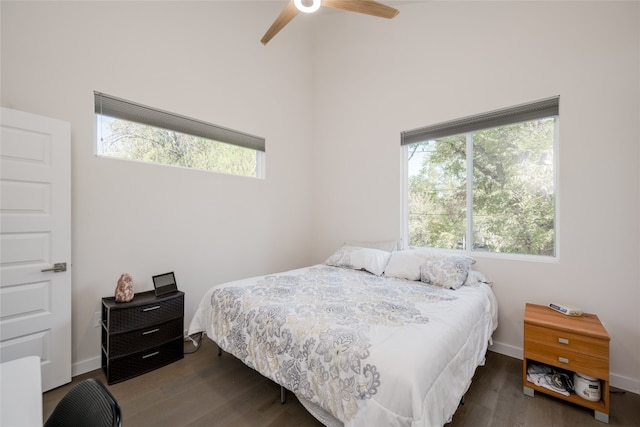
<point x="332" y="107"/>
<point x="200" y="59"/>
<point x="438" y="61"/>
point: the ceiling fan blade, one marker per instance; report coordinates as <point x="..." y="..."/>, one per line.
<point x="369" y="7"/>
<point x="288" y="13"/>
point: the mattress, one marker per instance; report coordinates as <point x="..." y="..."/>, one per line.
<point x="357" y="349"/>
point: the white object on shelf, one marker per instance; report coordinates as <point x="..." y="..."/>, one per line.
<point x="587" y="387"/>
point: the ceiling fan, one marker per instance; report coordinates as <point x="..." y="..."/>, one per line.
<point x="292" y="8"/>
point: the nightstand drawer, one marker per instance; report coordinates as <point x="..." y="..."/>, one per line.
<point x="567" y="340"/>
<point x="140" y="339"/>
<point x="565" y="359"/>
<point x="140" y="316"/>
<point x="123" y="368"/>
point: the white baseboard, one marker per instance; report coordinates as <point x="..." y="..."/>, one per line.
<point x="618" y="381"/>
<point x="624" y="383"/>
<point x="85" y="366"/>
<point x="507" y="350"/>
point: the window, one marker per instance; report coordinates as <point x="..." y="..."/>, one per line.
<point x="127" y="130"/>
<point x="484" y="183"/>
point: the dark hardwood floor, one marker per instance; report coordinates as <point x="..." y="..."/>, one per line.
<point x="206" y="390"/>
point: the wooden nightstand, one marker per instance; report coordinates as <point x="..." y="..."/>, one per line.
<point x="578" y="344"/>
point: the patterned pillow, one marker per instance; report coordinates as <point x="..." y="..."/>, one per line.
<point x="447" y="271"/>
<point x="372" y="260"/>
<point x="431" y="253"/>
<point x="406" y="264"/>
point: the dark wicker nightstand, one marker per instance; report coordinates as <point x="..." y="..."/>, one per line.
<point x="141" y="335"/>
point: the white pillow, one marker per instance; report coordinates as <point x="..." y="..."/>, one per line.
<point x="474" y="277"/>
<point x="372" y="260"/>
<point x="404" y="265"/>
<point x="385" y="245"/>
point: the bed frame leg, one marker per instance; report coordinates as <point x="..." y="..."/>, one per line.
<point x="462" y="400"/>
<point x="219" y="350"/>
<point x="283" y="395"/>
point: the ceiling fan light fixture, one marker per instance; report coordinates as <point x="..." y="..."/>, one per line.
<point x="290" y="11"/>
<point x="315" y="5"/>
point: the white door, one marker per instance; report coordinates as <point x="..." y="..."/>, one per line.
<point x="35" y="234"/>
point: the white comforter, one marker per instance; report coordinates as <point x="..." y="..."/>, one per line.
<point x="369" y="350"/>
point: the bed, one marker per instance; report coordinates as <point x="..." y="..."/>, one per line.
<point x="370" y="337"/>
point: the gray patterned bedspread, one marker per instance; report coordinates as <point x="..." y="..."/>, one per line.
<point x="348" y="341"/>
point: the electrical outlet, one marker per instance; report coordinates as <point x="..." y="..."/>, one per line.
<point x="97" y="319"/>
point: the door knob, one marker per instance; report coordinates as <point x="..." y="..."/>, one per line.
<point x="57" y="267"/>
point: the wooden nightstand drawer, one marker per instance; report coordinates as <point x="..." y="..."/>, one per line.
<point x="565" y="359"/>
<point x="565" y="340"/>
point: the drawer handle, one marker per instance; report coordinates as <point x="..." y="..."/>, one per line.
<point x="563" y="341"/>
<point x="563" y="360"/>
<point x="151" y="355"/>
<point x="151" y="308"/>
<point x="151" y="331"/>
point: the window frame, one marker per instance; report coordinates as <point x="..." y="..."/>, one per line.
<point x="120" y="109"/>
<point x="471" y="125"/>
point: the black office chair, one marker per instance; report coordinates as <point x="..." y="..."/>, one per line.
<point x="87" y="404"/>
